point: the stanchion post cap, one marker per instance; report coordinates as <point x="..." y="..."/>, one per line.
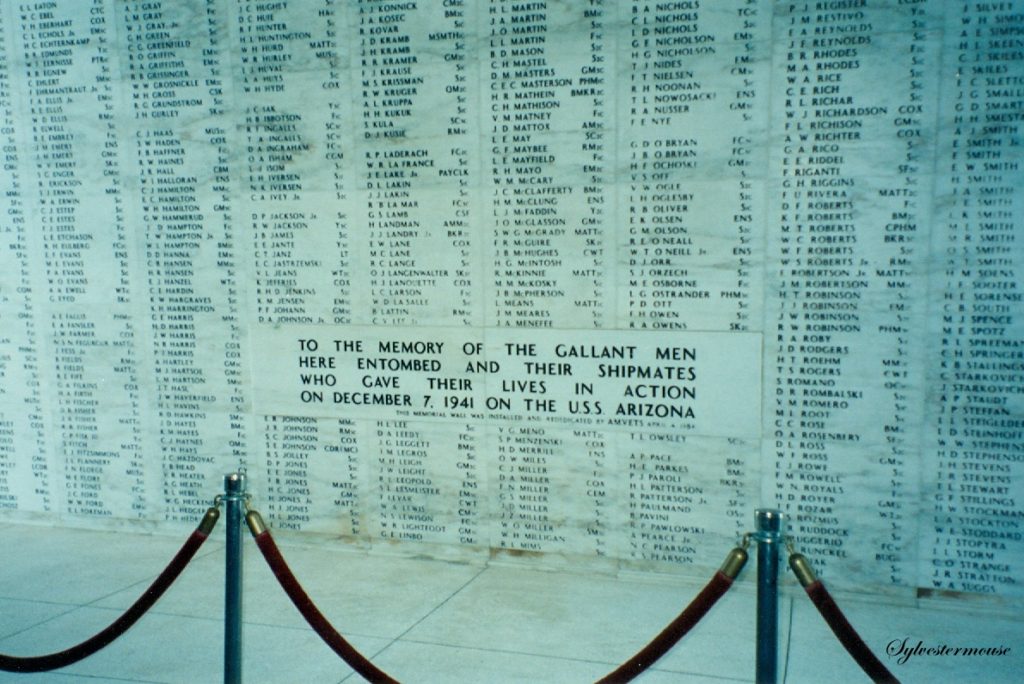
<point x="234" y="483"/>
<point x="734" y="562"/>
<point x="768" y="521"/>
<point x="209" y="520"/>
<point x="802" y="569"/>
<point x="255" y="522"/>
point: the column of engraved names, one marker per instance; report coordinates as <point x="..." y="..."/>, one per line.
<point x="10" y="271"/>
<point x="224" y="213"/>
<point x="425" y="479"/>
<point x="685" y="493"/>
<point x="849" y="166"/>
<point x="347" y="478"/>
<point x="975" y="429"/>
<point x="418" y="165"/>
<point x="597" y="82"/>
<point x="600" y="516"/>
<point x="335" y="63"/>
<point x="693" y="100"/>
<point x="282" y="180"/>
<point x="661" y="497"/>
<point x="295" y="188"/>
<point x="182" y="185"/>
<point x="900" y="269"/>
<point x="296" y="158"/>
<point x="313" y="473"/>
<point x="548" y="162"/>
<point x="83" y="260"/>
<point x="472" y="486"/>
<point x="414" y="147"/>
<point x="24" y="467"/>
<point x="290" y="444"/>
<point x="418" y="485"/>
<point x="526" y="516"/>
<point x="554" y="493"/>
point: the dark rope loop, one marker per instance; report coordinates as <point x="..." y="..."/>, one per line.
<point x="268" y="547"/>
<point x="684" y="622"/>
<point x="837" y="622"/>
<point x="122" y="624"/>
<point x="848" y="636"/>
<point x="661" y="644"/>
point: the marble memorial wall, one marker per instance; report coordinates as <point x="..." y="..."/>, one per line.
<point x="581" y="282"/>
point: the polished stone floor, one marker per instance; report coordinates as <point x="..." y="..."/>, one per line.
<point x="433" y="621"/>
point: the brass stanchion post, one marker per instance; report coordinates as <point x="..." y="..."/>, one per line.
<point x="234" y="500"/>
<point x="768" y="535"/>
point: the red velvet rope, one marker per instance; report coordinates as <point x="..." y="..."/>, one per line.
<point x="117" y="627"/>
<point x="313" y="616"/>
<point x="675" y="631"/>
<point x="847" y="635"/>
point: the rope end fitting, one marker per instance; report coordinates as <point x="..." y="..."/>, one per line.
<point x="734" y="562"/>
<point x="255" y="522"/>
<point x="209" y="520"/>
<point x="802" y="569"/>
